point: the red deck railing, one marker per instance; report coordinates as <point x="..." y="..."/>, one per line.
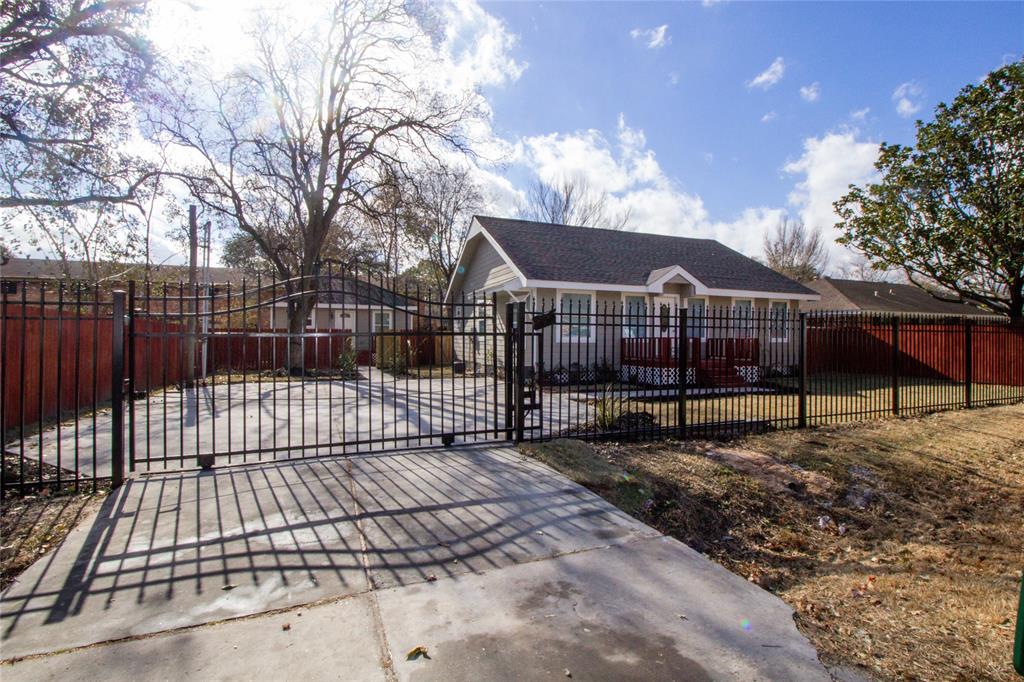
<point x="661" y="351"/>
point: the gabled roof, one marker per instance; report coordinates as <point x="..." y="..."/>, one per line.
<point x="883" y="297"/>
<point x="359" y="292"/>
<point x="567" y="253"/>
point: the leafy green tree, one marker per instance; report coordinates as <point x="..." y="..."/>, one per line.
<point x="949" y="211"/>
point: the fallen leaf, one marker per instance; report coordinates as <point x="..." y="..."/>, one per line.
<point x="417" y="652"/>
<point x="229" y="586"/>
<point x="286" y="626"/>
<point x="431" y="578"/>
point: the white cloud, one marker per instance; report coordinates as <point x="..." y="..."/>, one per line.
<point x="708" y="157"/>
<point x="811" y="93"/>
<point x="907" y="97"/>
<point x="860" y="114"/>
<point x="673" y="79"/>
<point x="479" y="45"/>
<point x="770" y="76"/>
<point x="710" y="3"/>
<point x="630" y="173"/>
<point x="829" y="164"/>
<point x="769" y="117"/>
<point x="654" y="37"/>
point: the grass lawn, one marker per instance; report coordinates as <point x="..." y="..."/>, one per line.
<point x="898" y="542"/>
<point x="831" y="398"/>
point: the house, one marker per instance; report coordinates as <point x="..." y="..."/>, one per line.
<point x="882" y="297"/>
<point x="353" y="305"/>
<point x="616" y="289"/>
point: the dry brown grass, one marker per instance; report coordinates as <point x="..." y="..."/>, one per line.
<point x="920" y="583"/>
<point x="31" y="526"/>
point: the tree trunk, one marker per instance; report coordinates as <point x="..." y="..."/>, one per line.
<point x="1017" y="299"/>
<point x="297" y="314"/>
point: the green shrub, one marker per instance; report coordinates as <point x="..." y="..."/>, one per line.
<point x="347" y="361"/>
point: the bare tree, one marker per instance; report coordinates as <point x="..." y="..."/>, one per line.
<point x="445" y="200"/>
<point x="313" y="129"/>
<point x="71" y="73"/>
<point x="386" y="224"/>
<point x="862" y="269"/>
<point x="571" y="201"/>
<point x="90" y="235"/>
<point x="794" y="251"/>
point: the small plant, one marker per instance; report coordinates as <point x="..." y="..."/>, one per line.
<point x="347" y="362"/>
<point x="608" y="408"/>
<point x="605" y="373"/>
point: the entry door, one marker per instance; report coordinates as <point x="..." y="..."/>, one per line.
<point x="665" y="309"/>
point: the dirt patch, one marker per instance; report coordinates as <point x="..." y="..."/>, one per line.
<point x="899" y="543"/>
<point x="33" y="525"/>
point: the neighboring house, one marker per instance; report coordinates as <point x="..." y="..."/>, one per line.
<point x="588" y="273"/>
<point x="353" y="304"/>
<point x="356" y="306"/>
<point x="882" y="297"/>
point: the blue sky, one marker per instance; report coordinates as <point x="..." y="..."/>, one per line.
<point x="688" y="88"/>
<point x="709" y="119"/>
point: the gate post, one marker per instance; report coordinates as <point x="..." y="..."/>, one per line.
<point x="968" y="361"/>
<point x="131" y="375"/>
<point x="895" y="365"/>
<point x="802" y="368"/>
<point x="117" y="391"/>
<point x="509" y="368"/>
<point x="682" y="353"/>
<point x="520" y="372"/>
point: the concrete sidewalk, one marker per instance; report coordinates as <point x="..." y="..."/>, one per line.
<point x="497" y="565"/>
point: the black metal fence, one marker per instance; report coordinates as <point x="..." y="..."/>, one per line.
<point x="175" y="376"/>
<point x="611" y="372"/>
<point x="95" y="383"/>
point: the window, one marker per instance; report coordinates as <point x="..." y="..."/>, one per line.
<point x="481" y="313"/>
<point x="342" y="320"/>
<point x="309" y="320"/>
<point x="381" y="320"/>
<point x="743" y="317"/>
<point x="696" y="326"/>
<point x="575" y="309"/>
<point x="635" y="311"/>
<point x="779" y="321"/>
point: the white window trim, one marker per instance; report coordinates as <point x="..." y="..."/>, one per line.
<point x="625" y="315"/>
<point x="389" y="326"/>
<point x="704" y="327"/>
<point x="591" y="323"/>
<point x="750" y="330"/>
<point x="785" y="327"/>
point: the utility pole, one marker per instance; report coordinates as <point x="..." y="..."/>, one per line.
<point x="190" y="323"/>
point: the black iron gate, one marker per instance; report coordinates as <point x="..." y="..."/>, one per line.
<point x="225" y="374"/>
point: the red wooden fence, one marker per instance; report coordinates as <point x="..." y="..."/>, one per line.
<point x="57" y="365"/>
<point x="927" y="350"/>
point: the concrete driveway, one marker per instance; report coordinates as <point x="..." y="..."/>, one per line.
<point x="337" y="568"/>
<point x="295" y="419"/>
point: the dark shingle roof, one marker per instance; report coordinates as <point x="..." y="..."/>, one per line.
<point x="567" y="253"/>
<point x="885" y="297"/>
<point x="351" y="291"/>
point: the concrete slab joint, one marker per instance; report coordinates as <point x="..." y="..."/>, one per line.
<point x="497" y="566"/>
